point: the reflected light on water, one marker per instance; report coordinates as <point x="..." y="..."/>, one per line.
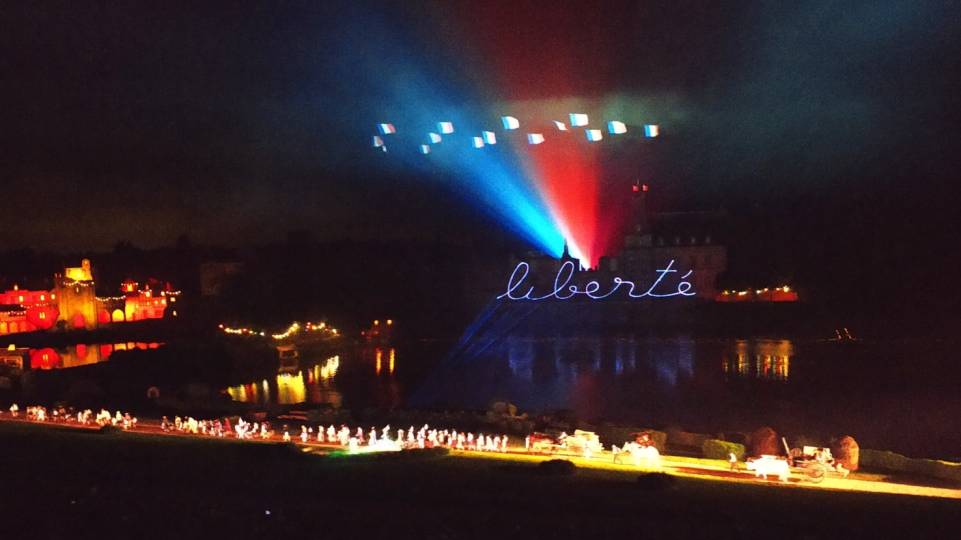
<point x="329" y="369"/>
<point x="291" y="388"/>
<point x="769" y="360"/>
<point x="81" y="354"/>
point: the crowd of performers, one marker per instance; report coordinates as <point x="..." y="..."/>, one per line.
<point x="383" y="439"/>
<point x="640" y="451"/>
<point x="86" y="417"/>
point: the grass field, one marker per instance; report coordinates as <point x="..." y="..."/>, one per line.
<point x="61" y="483"/>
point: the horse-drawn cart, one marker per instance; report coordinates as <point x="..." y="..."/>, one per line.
<point x="816" y="463"/>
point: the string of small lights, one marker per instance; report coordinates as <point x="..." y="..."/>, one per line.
<point x="294" y="329"/>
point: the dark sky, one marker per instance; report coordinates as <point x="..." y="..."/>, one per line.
<point x="829" y="127"/>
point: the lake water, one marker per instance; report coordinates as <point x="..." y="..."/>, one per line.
<point x="900" y="395"/>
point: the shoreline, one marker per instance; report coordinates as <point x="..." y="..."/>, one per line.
<point x="674" y="465"/>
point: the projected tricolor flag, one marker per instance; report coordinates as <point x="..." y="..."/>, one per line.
<point x="445" y="127"/>
<point x="386" y="129"/>
<point x="535" y="138"/>
<point x="510" y="122"/>
<point x="489" y="137"/>
<point x="578" y="120"/>
<point x="594" y="135"/>
<point x="616" y="128"/>
<point x="650" y="130"/>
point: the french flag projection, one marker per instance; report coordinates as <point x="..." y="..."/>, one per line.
<point x="563" y="174"/>
<point x="578" y="120"/>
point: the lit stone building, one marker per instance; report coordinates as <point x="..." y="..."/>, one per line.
<point x="690" y="239"/>
<point x="73" y="301"/>
<point x="77" y="296"/>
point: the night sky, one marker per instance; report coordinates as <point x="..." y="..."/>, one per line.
<point x="827" y="130"/>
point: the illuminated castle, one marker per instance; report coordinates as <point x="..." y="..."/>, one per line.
<point x="73" y="301"/>
<point x="76" y="296"/>
<point x="690" y="239"/>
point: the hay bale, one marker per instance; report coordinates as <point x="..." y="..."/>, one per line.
<point x="764" y="442"/>
<point x="847" y="452"/>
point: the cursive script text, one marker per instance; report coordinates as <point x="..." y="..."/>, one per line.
<point x="564" y="290"/>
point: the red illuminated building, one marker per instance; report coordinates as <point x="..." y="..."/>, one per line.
<point x="73" y="301"/>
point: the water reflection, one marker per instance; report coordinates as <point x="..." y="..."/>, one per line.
<point x="306" y="385"/>
<point x="81" y="354"/>
<point x="761" y="359"/>
<point x="611" y="376"/>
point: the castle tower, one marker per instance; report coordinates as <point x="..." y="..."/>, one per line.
<point x="76" y="296"/>
<point x="641" y="223"/>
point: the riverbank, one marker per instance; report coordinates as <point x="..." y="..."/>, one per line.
<point x="62" y="482"/>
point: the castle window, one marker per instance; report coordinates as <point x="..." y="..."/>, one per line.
<point x="43" y="297"/>
<point x="693" y="240"/>
<point x="677" y="240"/>
<point x="20" y="299"/>
<point x="42" y="315"/>
<point x="707" y="239"/>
